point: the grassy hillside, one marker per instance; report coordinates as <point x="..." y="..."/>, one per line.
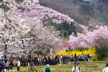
<point x="95" y="66"/>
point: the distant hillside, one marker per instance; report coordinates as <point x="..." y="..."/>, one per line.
<point x="93" y="12"/>
<point x="52" y="18"/>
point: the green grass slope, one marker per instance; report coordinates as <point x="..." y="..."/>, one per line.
<point x="95" y="66"/>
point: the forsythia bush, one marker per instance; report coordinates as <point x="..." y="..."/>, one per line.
<point x="79" y="52"/>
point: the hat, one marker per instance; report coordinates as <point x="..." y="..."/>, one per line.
<point x="77" y="63"/>
<point x="47" y="65"/>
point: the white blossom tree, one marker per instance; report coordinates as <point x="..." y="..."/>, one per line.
<point x="19" y="35"/>
<point x="44" y="38"/>
<point x="13" y="29"/>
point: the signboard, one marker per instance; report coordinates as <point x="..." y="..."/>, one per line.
<point x="1" y="54"/>
<point x="51" y="51"/>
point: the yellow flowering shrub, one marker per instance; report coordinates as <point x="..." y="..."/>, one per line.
<point x="79" y="52"/>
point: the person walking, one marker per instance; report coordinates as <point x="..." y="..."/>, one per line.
<point x="76" y="67"/>
<point x="106" y="68"/>
<point x="2" y="66"/>
<point x="11" y="65"/>
<point x="7" y="66"/>
<point x="47" y="69"/>
<point x="18" y="65"/>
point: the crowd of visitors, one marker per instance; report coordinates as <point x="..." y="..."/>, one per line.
<point x="6" y="64"/>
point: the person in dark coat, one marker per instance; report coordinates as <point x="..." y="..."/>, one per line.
<point x="2" y="66"/>
<point x="11" y="65"/>
<point x="35" y="61"/>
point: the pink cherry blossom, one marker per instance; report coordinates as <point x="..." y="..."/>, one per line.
<point x="88" y="40"/>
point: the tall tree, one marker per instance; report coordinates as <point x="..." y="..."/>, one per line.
<point x="21" y="35"/>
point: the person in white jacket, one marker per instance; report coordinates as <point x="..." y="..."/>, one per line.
<point x="18" y="65"/>
<point x="76" y="67"/>
<point x="106" y="68"/>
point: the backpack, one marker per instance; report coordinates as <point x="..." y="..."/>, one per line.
<point x="75" y="69"/>
<point x="1" y="68"/>
<point x="47" y="70"/>
<point x="79" y="67"/>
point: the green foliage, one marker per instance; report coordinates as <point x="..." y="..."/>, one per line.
<point x="107" y="11"/>
<point x="48" y="22"/>
<point x="103" y="17"/>
<point x="76" y="1"/>
<point x="102" y="52"/>
<point x="19" y="1"/>
<point x="38" y="53"/>
<point x="30" y="36"/>
<point x="69" y="50"/>
<point x="65" y="28"/>
<point x="66" y="39"/>
<point x="87" y="8"/>
<point x="79" y="49"/>
<point x="104" y="1"/>
<point x="100" y="8"/>
<point x="1" y="0"/>
<point x="5" y="7"/>
<point x="42" y="3"/>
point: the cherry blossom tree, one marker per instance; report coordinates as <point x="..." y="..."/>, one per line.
<point x="43" y="13"/>
<point x="12" y="27"/>
<point x="20" y="35"/>
<point x="44" y="38"/>
<point x="88" y="39"/>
